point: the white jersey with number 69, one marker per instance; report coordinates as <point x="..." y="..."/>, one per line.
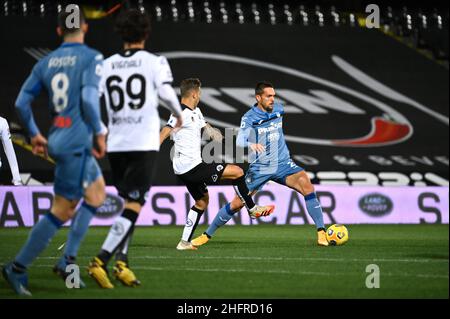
<point x="130" y="85"/>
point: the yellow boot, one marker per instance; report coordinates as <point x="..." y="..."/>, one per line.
<point x="97" y="271"/>
<point x="125" y="275"/>
<point x="322" y="238"/>
<point x="200" y="240"/>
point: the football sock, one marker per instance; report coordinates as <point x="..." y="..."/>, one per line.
<point x="78" y="230"/>
<point x="122" y="251"/>
<point x="242" y="191"/>
<point x="314" y="210"/>
<point x="222" y="217"/>
<point x="39" y="238"/>
<point x="192" y="220"/>
<point x="117" y="234"/>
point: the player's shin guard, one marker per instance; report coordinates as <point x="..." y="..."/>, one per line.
<point x="242" y="191"/>
<point x="192" y="220"/>
<point x="222" y="217"/>
<point x="118" y="234"/>
<point x="315" y="210"/>
<point x="39" y="238"/>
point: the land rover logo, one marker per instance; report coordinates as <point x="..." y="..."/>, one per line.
<point x="376" y="204"/>
<point x="384" y="125"/>
<point x="112" y="206"/>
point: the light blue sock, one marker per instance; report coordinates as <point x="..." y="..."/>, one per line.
<point x="78" y="230"/>
<point x="39" y="238"/>
<point x="222" y="217"/>
<point x="314" y="209"/>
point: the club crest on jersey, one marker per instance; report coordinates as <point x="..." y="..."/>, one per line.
<point x="215" y="177"/>
<point x="219" y="168"/>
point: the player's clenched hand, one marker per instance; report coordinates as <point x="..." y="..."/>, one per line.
<point x="100" y="146"/>
<point x="39" y="144"/>
<point x="257" y="148"/>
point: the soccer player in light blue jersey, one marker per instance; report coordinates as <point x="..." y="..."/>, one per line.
<point x="70" y="75"/>
<point x="262" y="131"/>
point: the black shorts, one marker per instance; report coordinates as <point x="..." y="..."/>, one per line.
<point x="132" y="173"/>
<point x="201" y="175"/>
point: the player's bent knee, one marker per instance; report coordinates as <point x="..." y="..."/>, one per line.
<point x="202" y="203"/>
<point x="233" y="172"/>
<point x="306" y="187"/>
<point x="134" y="205"/>
<point x="95" y="199"/>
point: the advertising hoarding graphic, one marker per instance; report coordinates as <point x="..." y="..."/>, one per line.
<point x="23" y="206"/>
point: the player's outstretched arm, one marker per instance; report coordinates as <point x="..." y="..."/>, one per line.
<point x="30" y="89"/>
<point x="168" y="95"/>
<point x="164" y="134"/>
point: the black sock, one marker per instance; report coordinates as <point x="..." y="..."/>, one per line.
<point x="242" y="190"/>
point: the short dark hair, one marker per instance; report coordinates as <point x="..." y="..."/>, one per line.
<point x="260" y="86"/>
<point x="62" y="21"/>
<point x="133" y="25"/>
<point x="188" y="85"/>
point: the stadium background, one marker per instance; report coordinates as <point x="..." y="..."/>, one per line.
<point x="307" y="49"/>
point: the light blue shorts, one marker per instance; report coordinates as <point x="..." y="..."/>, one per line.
<point x="258" y="176"/>
<point x="74" y="173"/>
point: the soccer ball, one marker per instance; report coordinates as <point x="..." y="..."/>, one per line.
<point x="337" y="235"/>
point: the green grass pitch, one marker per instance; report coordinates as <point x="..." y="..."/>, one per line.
<point x="257" y="262"/>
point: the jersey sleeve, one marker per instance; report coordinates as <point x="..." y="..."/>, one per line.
<point x="244" y="137"/>
<point x="93" y="72"/>
<point x="29" y="91"/>
<point x="90" y="103"/>
<point x="172" y="121"/>
<point x="202" y="119"/>
<point x="163" y="73"/>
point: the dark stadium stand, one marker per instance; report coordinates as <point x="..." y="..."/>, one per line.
<point x="390" y="56"/>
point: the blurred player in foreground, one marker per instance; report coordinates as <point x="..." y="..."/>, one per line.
<point x="131" y="84"/>
<point x="71" y="76"/>
<point x="262" y="131"/>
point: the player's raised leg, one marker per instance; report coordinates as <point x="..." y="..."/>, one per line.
<point x="236" y="175"/>
<point x="302" y="184"/>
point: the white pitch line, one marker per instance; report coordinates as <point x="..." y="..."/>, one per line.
<point x="277" y="272"/>
<point x="284" y="258"/>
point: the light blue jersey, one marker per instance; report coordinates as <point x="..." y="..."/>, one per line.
<point x="66" y="74"/>
<point x="71" y="76"/>
<point x="259" y="127"/>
